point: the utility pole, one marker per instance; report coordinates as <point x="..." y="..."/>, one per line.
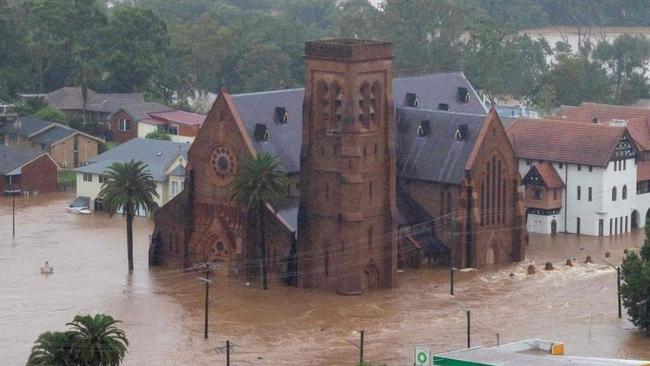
<point x="468" y="329"/>
<point x="452" y="261"/>
<point x="13" y="193"/>
<point x="227" y="353"/>
<point x="618" y="288"/>
<point x="208" y="271"/>
<point x="361" y="350"/>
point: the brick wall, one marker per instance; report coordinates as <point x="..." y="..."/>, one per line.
<point x="123" y="136"/>
<point x="40" y="175"/>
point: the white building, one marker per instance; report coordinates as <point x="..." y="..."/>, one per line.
<point x="166" y="163"/>
<point x="579" y="177"/>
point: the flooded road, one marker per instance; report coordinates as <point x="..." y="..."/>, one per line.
<point x="162" y="309"/>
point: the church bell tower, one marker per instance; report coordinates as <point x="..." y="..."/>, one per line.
<point x="347" y="229"/>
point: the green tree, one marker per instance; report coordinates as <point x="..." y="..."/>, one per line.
<point x="517" y="62"/>
<point x="635" y="290"/>
<point x="97" y="341"/>
<point x="50" y="114"/>
<point x="626" y="58"/>
<point x="139" y="44"/>
<point x="53" y="348"/>
<point x="259" y="182"/>
<point x="576" y="79"/>
<point x="158" y="135"/>
<point x="129" y="187"/>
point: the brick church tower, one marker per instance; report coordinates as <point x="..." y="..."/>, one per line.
<point x="347" y="221"/>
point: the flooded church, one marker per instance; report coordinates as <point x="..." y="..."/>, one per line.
<point x="385" y="172"/>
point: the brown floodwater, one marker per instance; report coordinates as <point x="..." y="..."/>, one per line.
<point x="162" y="309"/>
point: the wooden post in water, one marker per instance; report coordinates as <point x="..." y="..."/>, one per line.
<point x="468" y="329"/>
<point x="618" y="287"/>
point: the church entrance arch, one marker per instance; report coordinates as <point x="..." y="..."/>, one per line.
<point x="215" y="250"/>
<point x="370" y="277"/>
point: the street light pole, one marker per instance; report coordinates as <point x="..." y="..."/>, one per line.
<point x="207" y="281"/>
<point x="361" y="350"/>
<point x="618" y="289"/>
<point x="13" y="193"/>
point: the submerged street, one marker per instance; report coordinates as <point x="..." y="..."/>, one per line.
<point x="162" y="309"/>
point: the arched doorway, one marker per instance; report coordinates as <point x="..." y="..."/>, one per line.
<point x="635" y="219"/>
<point x="553" y="227"/>
<point x="370" y="277"/>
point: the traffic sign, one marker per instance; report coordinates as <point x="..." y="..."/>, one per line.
<point x="421" y="356"/>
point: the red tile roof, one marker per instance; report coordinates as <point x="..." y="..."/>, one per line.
<point x="549" y="175"/>
<point x="183" y="117"/>
<point x="564" y="141"/>
<point x="637" y="118"/>
<point x="643" y="171"/>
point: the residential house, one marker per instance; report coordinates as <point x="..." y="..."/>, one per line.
<point x="68" y="147"/>
<point x="98" y="106"/>
<point x="367" y="149"/>
<point x="30" y="170"/>
<point x="7" y="113"/>
<point x="180" y="125"/>
<point x="124" y="123"/>
<point x="166" y="163"/>
<point x="579" y="177"/>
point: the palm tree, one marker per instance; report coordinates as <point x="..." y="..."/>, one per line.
<point x="52" y="348"/>
<point x="259" y="182"/>
<point x="128" y="187"/>
<point x="97" y="341"/>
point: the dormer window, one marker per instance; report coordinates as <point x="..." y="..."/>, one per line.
<point x="461" y="132"/>
<point x="423" y="129"/>
<point x="443" y="106"/>
<point x="261" y="132"/>
<point x="411" y="100"/>
<point x="463" y="94"/>
<point x="281" y="115"/>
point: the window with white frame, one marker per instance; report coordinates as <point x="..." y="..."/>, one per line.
<point x="87" y="177"/>
<point x="173" y="130"/>
<point x="175" y="187"/>
<point x="124" y="125"/>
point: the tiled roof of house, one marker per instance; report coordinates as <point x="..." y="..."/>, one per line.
<point x="70" y="98"/>
<point x="564" y="141"/>
<point x="549" y="175"/>
<point x="27" y="126"/>
<point x="141" y="111"/>
<point x="52" y="135"/>
<point x="437" y="156"/>
<point x="12" y="158"/>
<point x="175" y="116"/>
<point x="157" y="154"/>
<point x="286" y="138"/>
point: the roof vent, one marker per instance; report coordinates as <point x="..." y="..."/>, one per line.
<point x="159" y="153"/>
<point x="463" y="94"/>
<point x="461" y="132"/>
<point x="423" y="129"/>
<point x="593" y="120"/>
<point x="281" y="115"/>
<point x="618" y="122"/>
<point x="411" y="100"/>
<point x="443" y="106"/>
<point x="261" y="132"/>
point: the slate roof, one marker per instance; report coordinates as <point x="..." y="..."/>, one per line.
<point x="140" y="111"/>
<point x="285" y="139"/>
<point x="564" y="141"/>
<point x="12" y="158"/>
<point x="52" y="135"/>
<point x="287" y="210"/>
<point x="70" y="98"/>
<point x="438" y="156"/>
<point x="157" y="154"/>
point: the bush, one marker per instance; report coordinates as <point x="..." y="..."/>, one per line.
<point x="158" y="135"/>
<point x="635" y="290"/>
<point x="50" y="114"/>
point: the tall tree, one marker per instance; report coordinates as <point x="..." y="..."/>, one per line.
<point x="627" y="58"/>
<point x="636" y="284"/>
<point x="97" y="341"/>
<point x="259" y="182"/>
<point x="53" y="348"/>
<point x="576" y="79"/>
<point x="138" y="42"/>
<point x="129" y="187"/>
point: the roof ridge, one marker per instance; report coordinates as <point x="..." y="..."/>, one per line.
<point x="439" y="111"/>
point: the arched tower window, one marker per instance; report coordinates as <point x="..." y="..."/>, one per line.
<point x="614" y="194"/>
<point x="323" y="100"/>
<point x="336" y="108"/>
<point x="364" y="104"/>
<point x="375" y="103"/>
<point x="624" y="193"/>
